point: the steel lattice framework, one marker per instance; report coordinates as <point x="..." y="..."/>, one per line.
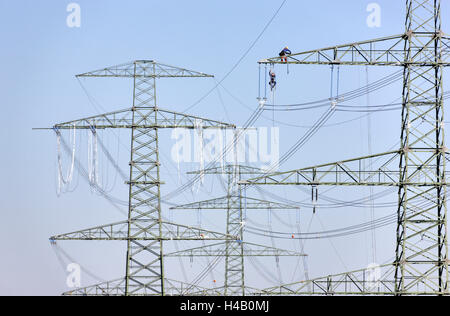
<point x="144" y="230"/>
<point x="418" y="168"/>
<point x="235" y="203"/>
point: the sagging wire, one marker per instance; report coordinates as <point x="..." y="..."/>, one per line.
<point x="98" y="106"/>
<point x="336" y="203"/>
<point x="242" y="57"/>
<point x="114" y="202"/>
<point x="297" y="125"/>
<point x="65" y="181"/>
<point x="263" y="271"/>
<point x="302" y="244"/>
<point x="212" y="265"/>
<point x="353" y="94"/>
<point x="333" y="246"/>
<point x="59" y="252"/>
<point x="113" y="162"/>
<point x="310" y="133"/>
<point x="324" y="103"/>
<point x="238" y="134"/>
<point x="340" y="232"/>
<point x="277" y="258"/>
<point x="181" y="264"/>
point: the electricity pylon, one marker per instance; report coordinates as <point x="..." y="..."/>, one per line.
<point x="418" y="168"/>
<point x="144" y="230"/>
<point x="235" y="203"/>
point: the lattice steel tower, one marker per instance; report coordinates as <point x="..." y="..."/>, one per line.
<point x="418" y="168"/>
<point x="144" y="230"/>
<point x="236" y="203"/>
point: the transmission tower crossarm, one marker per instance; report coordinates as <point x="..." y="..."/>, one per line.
<point x="362" y="171"/>
<point x="109" y="288"/>
<point x="346" y="172"/>
<point x="221" y="291"/>
<point x="229" y="170"/>
<point x="144" y="69"/>
<point x="417" y="169"/>
<point x="145" y="230"/>
<point x="387" y="51"/>
<point x="124" y="119"/>
<point x="117" y="288"/>
<point x="234" y="204"/>
<point x="226" y="202"/>
<point x="376" y="280"/>
<point x="250" y="250"/>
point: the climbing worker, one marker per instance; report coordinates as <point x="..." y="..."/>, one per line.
<point x="284" y="53"/>
<point x="272" y="82"/>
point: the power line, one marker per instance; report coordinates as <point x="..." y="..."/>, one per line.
<point x="240" y="59"/>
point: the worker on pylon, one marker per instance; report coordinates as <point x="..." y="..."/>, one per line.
<point x="284" y="54"/>
<point x="272" y="82"/>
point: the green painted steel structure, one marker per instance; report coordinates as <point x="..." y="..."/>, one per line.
<point x="144" y="230"/>
<point x="418" y="168"/>
<point x="235" y="203"/>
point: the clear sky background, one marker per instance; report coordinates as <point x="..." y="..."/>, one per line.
<point x="40" y="55"/>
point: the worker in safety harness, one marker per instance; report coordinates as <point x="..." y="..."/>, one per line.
<point x="272" y="82"/>
<point x="284" y="53"/>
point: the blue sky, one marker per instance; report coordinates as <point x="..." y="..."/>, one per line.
<point x="40" y="56"/>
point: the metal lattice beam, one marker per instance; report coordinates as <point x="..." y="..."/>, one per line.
<point x="223" y="203"/>
<point x="229" y="170"/>
<point x="123" y="119"/>
<point x="371" y="281"/>
<point x="117" y="288"/>
<point x="373" y="170"/>
<point x="144" y="230"/>
<point x="234" y="203"/>
<point x="219" y="249"/>
<point x="387" y="51"/>
<point x="144" y="69"/>
<point x="423" y="52"/>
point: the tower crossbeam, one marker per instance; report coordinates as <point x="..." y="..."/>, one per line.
<point x="421" y="255"/>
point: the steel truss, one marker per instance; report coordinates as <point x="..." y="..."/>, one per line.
<point x="421" y="264"/>
<point x="250" y="250"/>
<point x="234" y="203"/>
<point x="118" y="288"/>
<point x="144" y="230"/>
